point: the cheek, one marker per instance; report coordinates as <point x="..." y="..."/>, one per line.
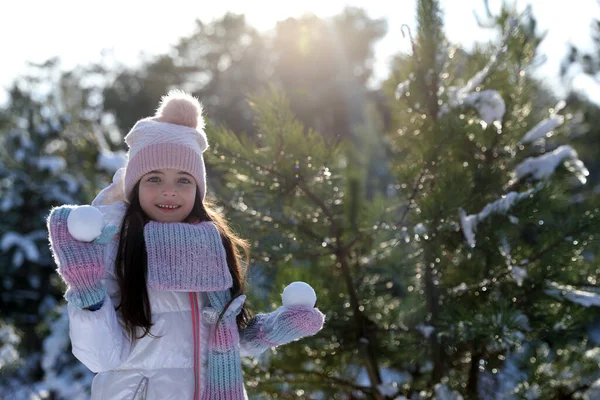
<point x="190" y="194"/>
<point x="146" y="197"/>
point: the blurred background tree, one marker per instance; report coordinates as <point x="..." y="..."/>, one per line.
<point x="49" y="155"/>
<point x="580" y="75"/>
<point x="324" y="66"/>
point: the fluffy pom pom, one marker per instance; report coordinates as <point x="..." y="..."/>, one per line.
<point x="180" y="108"/>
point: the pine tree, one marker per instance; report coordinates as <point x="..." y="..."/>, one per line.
<point x="498" y="237"/>
<point x="468" y="278"/>
<point x="299" y="197"/>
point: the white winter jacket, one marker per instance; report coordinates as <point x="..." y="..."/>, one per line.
<point x="160" y="367"/>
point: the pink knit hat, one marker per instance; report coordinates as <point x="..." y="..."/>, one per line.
<point x="173" y="138"/>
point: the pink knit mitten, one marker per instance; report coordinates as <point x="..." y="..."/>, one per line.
<point x="281" y="326"/>
<point x="80" y="264"/>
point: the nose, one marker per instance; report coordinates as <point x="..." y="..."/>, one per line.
<point x="169" y="189"/>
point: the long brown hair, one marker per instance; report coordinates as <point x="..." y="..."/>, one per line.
<point x="131" y="263"/>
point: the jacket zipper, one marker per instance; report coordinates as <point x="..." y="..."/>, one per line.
<point x="197" y="332"/>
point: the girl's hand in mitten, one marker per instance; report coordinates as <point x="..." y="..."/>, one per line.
<point x="80" y="264"/>
<point x="289" y="323"/>
<point x="296" y="319"/>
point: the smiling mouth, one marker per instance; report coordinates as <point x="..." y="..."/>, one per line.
<point x="167" y="209"/>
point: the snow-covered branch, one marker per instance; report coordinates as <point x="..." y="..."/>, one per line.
<point x="8" y="342"/>
<point x="488" y="103"/>
<point x="587" y="298"/>
<point x="111" y="161"/>
<point x="543" y="167"/>
<point x="25" y="244"/>
<point x="543" y="129"/>
<point x="501" y="206"/>
<point x="52" y="164"/>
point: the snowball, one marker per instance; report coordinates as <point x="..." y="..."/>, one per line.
<point x="299" y="294"/>
<point x="85" y="223"/>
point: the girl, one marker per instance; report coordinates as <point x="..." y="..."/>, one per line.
<point x="156" y="303"/>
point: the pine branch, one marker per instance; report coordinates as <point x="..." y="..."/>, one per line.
<point x="362" y="336"/>
<point x="361" y="234"/>
<point x="326" y="378"/>
<point x="412" y="197"/>
<point x="300" y="183"/>
<point x="572" y="392"/>
<point x="301" y="227"/>
<point x="315" y="199"/>
<point x="362" y="323"/>
<point x="252" y="163"/>
<point x="506" y="272"/>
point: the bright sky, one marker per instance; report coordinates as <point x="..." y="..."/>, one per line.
<point x="78" y="31"/>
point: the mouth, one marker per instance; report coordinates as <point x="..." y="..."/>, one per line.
<point x="168" y="208"/>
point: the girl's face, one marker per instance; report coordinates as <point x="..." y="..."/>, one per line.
<point x="167" y="195"/>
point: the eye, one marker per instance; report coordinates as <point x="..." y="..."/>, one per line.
<point x="185" y="180"/>
<point x="153" y="179"/>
